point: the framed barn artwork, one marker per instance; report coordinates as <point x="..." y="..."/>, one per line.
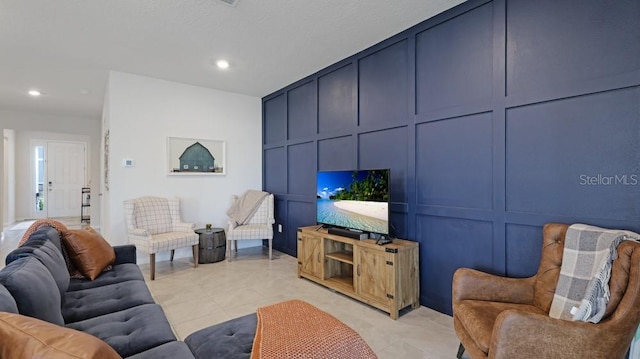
<point x="191" y="157"/>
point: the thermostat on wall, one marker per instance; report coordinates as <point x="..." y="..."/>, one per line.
<point x="127" y="162"/>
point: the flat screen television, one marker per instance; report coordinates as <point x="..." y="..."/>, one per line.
<point x="357" y="199"/>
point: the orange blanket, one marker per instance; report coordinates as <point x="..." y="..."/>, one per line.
<point x="39" y="223"/>
<point x="297" y="329"/>
<point x="71" y="267"/>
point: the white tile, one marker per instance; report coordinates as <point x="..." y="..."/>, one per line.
<point x="400" y="349"/>
<point x="195" y="298"/>
<point x="241" y="286"/>
<point x="191" y="309"/>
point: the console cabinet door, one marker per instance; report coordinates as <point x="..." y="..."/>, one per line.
<point x="309" y="261"/>
<point x="374" y="275"/>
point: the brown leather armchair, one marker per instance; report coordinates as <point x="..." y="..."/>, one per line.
<point x="506" y="318"/>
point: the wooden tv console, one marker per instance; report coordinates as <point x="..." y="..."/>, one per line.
<point x="383" y="276"/>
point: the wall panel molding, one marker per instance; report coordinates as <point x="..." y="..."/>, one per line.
<point x="487" y="115"/>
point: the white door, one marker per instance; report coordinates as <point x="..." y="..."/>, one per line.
<point x="65" y="178"/>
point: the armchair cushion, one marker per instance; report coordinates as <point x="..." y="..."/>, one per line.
<point x="183" y="227"/>
<point x="478" y="318"/>
<point x="553" y="338"/>
<point x="251" y="231"/>
<point x="152" y="214"/>
<point x="167" y="241"/>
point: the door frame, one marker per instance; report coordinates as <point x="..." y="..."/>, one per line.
<point x="33" y="183"/>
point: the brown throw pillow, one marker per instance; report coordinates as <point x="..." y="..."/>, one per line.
<point x="88" y="251"/>
<point x="23" y="337"/>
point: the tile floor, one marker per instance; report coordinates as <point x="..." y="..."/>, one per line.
<point x="194" y="298"/>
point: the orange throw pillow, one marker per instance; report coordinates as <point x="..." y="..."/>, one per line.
<point x="23" y="337"/>
<point x="88" y="250"/>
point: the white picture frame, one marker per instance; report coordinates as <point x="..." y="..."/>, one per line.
<point x="190" y="157"/>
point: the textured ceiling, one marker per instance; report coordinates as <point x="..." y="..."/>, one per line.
<point x="65" y="47"/>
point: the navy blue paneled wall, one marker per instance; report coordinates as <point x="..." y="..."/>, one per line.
<point x="495" y="118"/>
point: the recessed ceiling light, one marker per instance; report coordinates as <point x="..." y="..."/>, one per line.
<point x="34" y="93"/>
<point x="84" y="91"/>
<point x="222" y="64"/>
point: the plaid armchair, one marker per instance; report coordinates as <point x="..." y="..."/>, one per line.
<point x="259" y="226"/>
<point x="154" y="225"/>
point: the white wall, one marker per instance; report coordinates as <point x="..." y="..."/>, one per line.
<point x="141" y="113"/>
<point x="62" y="126"/>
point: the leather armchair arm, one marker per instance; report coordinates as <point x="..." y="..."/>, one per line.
<point x="517" y="332"/>
<point x="476" y="285"/>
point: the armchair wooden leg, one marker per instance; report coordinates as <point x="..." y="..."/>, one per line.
<point x="152" y="264"/>
<point x="173" y="251"/>
<point x="270" y="247"/>
<point x="196" y="250"/>
<point x="460" y="351"/>
<point x="228" y="250"/>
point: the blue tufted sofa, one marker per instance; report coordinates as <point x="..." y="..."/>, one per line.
<point x="116" y="307"/>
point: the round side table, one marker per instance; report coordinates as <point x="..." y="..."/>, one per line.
<point x="213" y="245"/>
